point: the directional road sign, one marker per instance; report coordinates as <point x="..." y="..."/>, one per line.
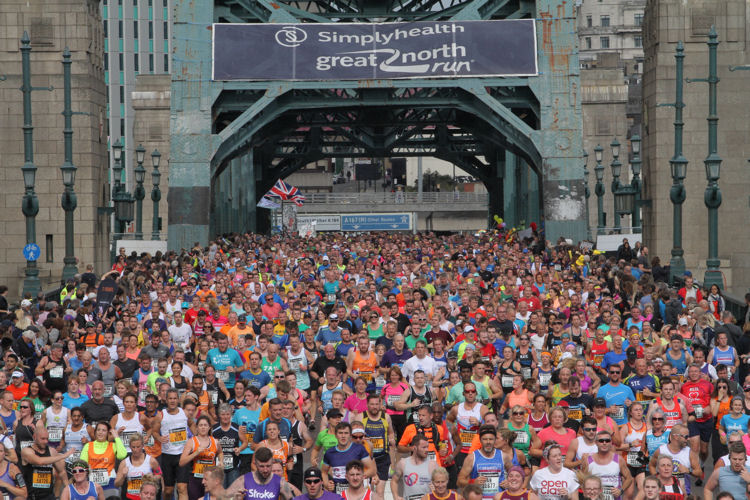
<point x="31" y="252"/>
<point x="377" y="222"/>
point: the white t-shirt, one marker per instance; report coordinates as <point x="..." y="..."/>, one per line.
<point x="172" y="308"/>
<point x="181" y="335"/>
<point x="546" y="484"/>
<point x="426" y="364"/>
<point x="112" y="352"/>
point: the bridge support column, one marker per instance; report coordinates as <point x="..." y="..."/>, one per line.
<point x="532" y="210"/>
<point x="509" y="165"/>
<point x="191" y="141"/>
<point x="248" y="193"/>
<point x="496" y="191"/>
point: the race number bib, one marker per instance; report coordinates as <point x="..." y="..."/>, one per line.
<point x="466" y="437"/>
<point x="228" y="461"/>
<point x="366" y="375"/>
<point x="148" y="441"/>
<point x="126" y="437"/>
<point x="491" y="483"/>
<point x="633" y="459"/>
<point x="338" y="472"/>
<point x="214" y="396"/>
<point x="200" y="466"/>
<point x="134" y="485"/>
<point x="575" y="414"/>
<point x="506" y="381"/>
<point x="99" y="476"/>
<point x="178" y="436"/>
<point x="392" y="399"/>
<point x="378" y="444"/>
<point x="26" y="444"/>
<point x="521" y="438"/>
<point x="142" y="396"/>
<point x="698" y="411"/>
<point x="618" y="412"/>
<point x="607" y="493"/>
<point x="340" y="487"/>
<point x="41" y="479"/>
<point x="223" y="376"/>
<point x="109" y="389"/>
<point x="55" y="434"/>
<point x="526" y="372"/>
<point x="544" y="379"/>
<point x="56" y="372"/>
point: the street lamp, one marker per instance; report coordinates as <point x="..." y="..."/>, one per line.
<point x="599" y="189"/>
<point x="616" y="170"/>
<point x="587" y="191"/>
<point x="155" y="192"/>
<point x="140" y="193"/>
<point x="69" y="201"/>
<point x="678" y="167"/>
<point x="635" y="165"/>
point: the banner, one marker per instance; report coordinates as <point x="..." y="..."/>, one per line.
<point x="361" y="51"/>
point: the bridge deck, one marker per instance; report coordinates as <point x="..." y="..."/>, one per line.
<point x="394" y="202"/>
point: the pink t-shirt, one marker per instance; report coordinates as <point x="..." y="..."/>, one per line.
<point x="564" y="440"/>
<point x="391" y="395"/>
<point x="354" y="404"/>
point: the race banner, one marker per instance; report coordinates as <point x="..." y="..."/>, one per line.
<point x="360" y="51"/>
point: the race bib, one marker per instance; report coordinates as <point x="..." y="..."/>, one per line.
<point x="338" y="472"/>
<point x="392" y="399"/>
<point x="109" y="389"/>
<point x="598" y="359"/>
<point x="55" y="434"/>
<point x="544" y="379"/>
<point x="178" y="436"/>
<point x="607" y="493"/>
<point x="26" y="444"/>
<point x="99" y="476"/>
<point x="698" y="411"/>
<point x="618" y="412"/>
<point x="56" y="372"/>
<point x="126" y="437"/>
<point x="575" y="414"/>
<point x="466" y="437"/>
<point x="331" y="297"/>
<point x="41" y="479"/>
<point x="142" y="396"/>
<point x="228" y="461"/>
<point x="380" y="382"/>
<point x="134" y="485"/>
<point x="506" y="381"/>
<point x="521" y="438"/>
<point x="431" y="455"/>
<point x="526" y="372"/>
<point x="223" y="375"/>
<point x="633" y="459"/>
<point x="214" y="396"/>
<point x="340" y="487"/>
<point x="200" y="466"/>
<point x="378" y="444"/>
<point x="366" y="375"/>
<point x="491" y="483"/>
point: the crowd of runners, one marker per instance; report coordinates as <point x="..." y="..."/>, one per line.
<point x="441" y="367"/>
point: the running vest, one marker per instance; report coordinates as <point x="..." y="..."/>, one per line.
<point x="683" y="458"/>
<point x="102" y="465"/>
<point x="132" y="428"/>
<point x="526" y="361"/>
<point x="466" y="431"/>
<point x="90" y="493"/>
<point x="598" y="351"/>
<point x="492" y="469"/>
<point x="544" y="377"/>
<point x="416" y="479"/>
<point x="585" y="448"/>
<point x="295" y="361"/>
<point x="38" y="478"/>
<point x="326" y="394"/>
<point x="205" y="458"/>
<point x="56" y="424"/>
<point x="425" y="399"/>
<point x="654" y="442"/>
<point x="228" y="440"/>
<point x="673" y="416"/>
<point x="609" y="474"/>
<point x="634" y="453"/>
<point x="175" y="427"/>
<point x="365" y="367"/>
<point x="255" y="491"/>
<point x="135" y="476"/>
<point x="376" y="431"/>
<point x="523" y="438"/>
<point x="108" y="377"/>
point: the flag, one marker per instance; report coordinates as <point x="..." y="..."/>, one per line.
<point x="286" y="191"/>
<point x="269" y="203"/>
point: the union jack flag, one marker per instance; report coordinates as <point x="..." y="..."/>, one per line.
<point x="286" y="191"/>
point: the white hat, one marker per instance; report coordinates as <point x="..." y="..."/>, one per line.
<point x="17" y="374"/>
<point x="468" y="328"/>
<point x="25" y="303"/>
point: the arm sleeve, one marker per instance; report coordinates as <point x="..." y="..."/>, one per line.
<point x="120" y="451"/>
<point x="85" y="453"/>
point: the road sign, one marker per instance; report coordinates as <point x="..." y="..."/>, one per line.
<point x="322" y="222"/>
<point x="31" y="252"/>
<point x="377" y="222"/>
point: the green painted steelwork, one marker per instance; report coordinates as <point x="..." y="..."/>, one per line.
<point x="231" y="134"/>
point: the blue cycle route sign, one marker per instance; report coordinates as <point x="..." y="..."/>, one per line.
<point x="377" y="222"/>
<point x="31" y="252"/>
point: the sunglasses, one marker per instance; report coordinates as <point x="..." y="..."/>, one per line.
<point x="24" y="407"/>
<point x="519" y="413"/>
<point x="79" y="471"/>
<point x="279" y="376"/>
<point x="312" y="481"/>
<point x="358" y="436"/>
<point x="654" y="419"/>
<point x="603" y="440"/>
<point x="589" y="429"/>
<point x="470" y="392"/>
<point x="615" y="372"/>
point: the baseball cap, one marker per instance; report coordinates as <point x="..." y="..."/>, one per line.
<point x="358" y="430"/>
<point x="333" y="316"/>
<point x="90" y="324"/>
<point x="242" y="318"/>
<point x="17" y="373"/>
<point x="25" y="303"/>
<point x="452" y="355"/>
<point x="313" y="473"/>
<point x="468" y="328"/>
<point x="334" y="413"/>
<point x="631" y="352"/>
<point x="600" y="402"/>
<point x="683" y="322"/>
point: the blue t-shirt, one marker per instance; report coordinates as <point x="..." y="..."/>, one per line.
<point x="71" y="403"/>
<point x="222" y="360"/>
<point x="259" y="380"/>
<point x="612" y="358"/>
<point x="326" y="336"/>
<point x="243" y="416"/>
<point x="732" y="424"/>
<point x="285" y="430"/>
<point x="337" y="459"/>
<point x="616" y="396"/>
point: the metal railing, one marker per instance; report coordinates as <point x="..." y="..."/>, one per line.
<point x="396" y="198"/>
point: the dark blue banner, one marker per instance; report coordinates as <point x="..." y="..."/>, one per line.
<point x="362" y="51"/>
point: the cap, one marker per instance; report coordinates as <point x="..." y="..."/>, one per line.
<point x="242" y="318"/>
<point x="563" y="403"/>
<point x="334" y="413"/>
<point x="631" y="352"/>
<point x="657" y="360"/>
<point x="600" y="402"/>
<point x="358" y="430"/>
<point x="313" y="473"/>
<point x="17" y="373"/>
<point x="25" y="303"/>
<point x="468" y="328"/>
<point x="683" y="322"/>
<point x="452" y="355"/>
<point x="90" y="324"/>
<point x="333" y="316"/>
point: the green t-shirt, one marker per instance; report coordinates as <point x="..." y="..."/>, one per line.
<point x="411" y="341"/>
<point x="456" y="394"/>
<point x="153" y="377"/>
<point x="39" y="405"/>
<point x="325" y="440"/>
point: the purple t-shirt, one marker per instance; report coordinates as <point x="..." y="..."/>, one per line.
<point x="327" y="495"/>
<point x="390" y="358"/>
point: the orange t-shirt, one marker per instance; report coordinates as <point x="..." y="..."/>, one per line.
<point x="19" y="392"/>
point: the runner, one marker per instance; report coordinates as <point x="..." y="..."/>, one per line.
<point x="685" y="462"/>
<point x="39" y="463"/>
<point x="81" y="488"/>
<point x="485" y="466"/>
<point x="101" y="454"/>
<point x="515" y="489"/>
<point x="554" y="481"/>
<point x="132" y="471"/>
<point x="337" y="458"/>
<point x="466" y="418"/>
<point x="380" y="433"/>
<point x="171" y="425"/>
<point x="439" y="485"/>
<point x="608" y="466"/>
<point x="582" y="446"/>
<point x="355" y="489"/>
<point x="261" y="483"/>
<point x="232" y="444"/>
<point x="414" y="471"/>
<point x="313" y="479"/>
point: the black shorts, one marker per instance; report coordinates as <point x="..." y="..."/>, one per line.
<point x="171" y="470"/>
<point x="383" y="464"/>
<point x="314" y="384"/>
<point x="634" y="471"/>
<point x="703" y="428"/>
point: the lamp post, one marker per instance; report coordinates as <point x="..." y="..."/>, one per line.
<point x="599" y="189"/>
<point x="712" y="195"/>
<point x="616" y="167"/>
<point x="586" y="190"/>
<point x="69" y="200"/>
<point x="30" y="202"/>
<point x="123" y="202"/>
<point x="678" y="166"/>
<point x="140" y="193"/>
<point x="635" y="183"/>
<point x="155" y="193"/>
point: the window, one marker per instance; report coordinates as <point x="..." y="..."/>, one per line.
<point x="135" y="30"/>
<point x="151" y="63"/>
<point x="50" y="248"/>
<point x="166" y="63"/>
<point x="104" y="2"/>
<point x="166" y="30"/>
<point x="150" y="3"/>
<point x="106" y="61"/>
<point x="588" y="42"/>
<point x="119" y="2"/>
<point x="604" y="42"/>
<point x="604" y="21"/>
<point x="150" y="30"/>
<point x="121" y="60"/>
<point x="106" y="28"/>
<point x="638" y="19"/>
<point x="135" y="3"/>
<point x="122" y="94"/>
<point x="165" y="4"/>
<point x="638" y="41"/>
<point x="122" y="127"/>
<point x="135" y="62"/>
<point x="589" y="21"/>
<point x="119" y="28"/>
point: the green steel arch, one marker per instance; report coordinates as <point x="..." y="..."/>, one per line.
<point x="230" y="141"/>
